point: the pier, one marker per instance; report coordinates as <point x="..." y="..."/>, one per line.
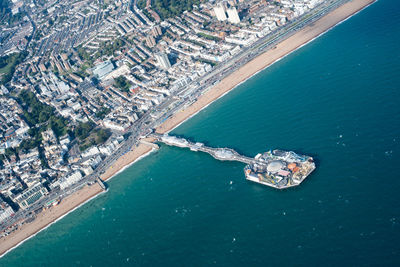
<point x="101" y="183"/>
<point x="278" y="169"/>
<point x="224" y="154"/>
<point x="155" y="146"/>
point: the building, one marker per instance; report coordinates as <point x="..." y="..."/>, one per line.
<point x="223" y="13"/>
<point x="163" y="60"/>
<point x="70" y="180"/>
<point x="156" y="31"/>
<point x="121" y="70"/>
<point x="150" y="42"/>
<point x="219" y="11"/>
<point x="30" y="195"/>
<point x="5" y="211"/>
<point x="233" y="16"/>
<point x="115" y="125"/>
<point x="103" y="69"/>
<point x="42" y="67"/>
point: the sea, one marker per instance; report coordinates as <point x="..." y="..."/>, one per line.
<point x="336" y="99"/>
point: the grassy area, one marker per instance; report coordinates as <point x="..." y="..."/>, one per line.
<point x="40" y="117"/>
<point x="6" y="16"/>
<point x="148" y="15"/>
<point x="88" y="135"/>
<point x="102" y="113"/>
<point x="169" y="8"/>
<point x="107" y="48"/>
<point x="195" y="42"/>
<point x="123" y="84"/>
<point x="8" y="64"/>
<point x="212" y="63"/>
<point x="209" y="37"/>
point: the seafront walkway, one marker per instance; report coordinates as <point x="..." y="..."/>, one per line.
<point x="224" y="154"/>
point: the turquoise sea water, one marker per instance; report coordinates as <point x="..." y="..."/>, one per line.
<point x="336" y="99"/>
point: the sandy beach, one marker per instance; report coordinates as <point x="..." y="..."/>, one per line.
<point x="73" y="201"/>
<point x="126" y="160"/>
<point x="49" y="216"/>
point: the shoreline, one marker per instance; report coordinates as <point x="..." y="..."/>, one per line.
<point x="127" y="160"/>
<point x="53" y="222"/>
<point x="301" y="38"/>
<point x="54" y="214"/>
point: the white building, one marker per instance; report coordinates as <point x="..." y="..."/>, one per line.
<point x="87" y="170"/>
<point x="233" y="16"/>
<point x="107" y="149"/>
<point x="115" y="125"/>
<point x="30" y="195"/>
<point x="92" y="162"/>
<point x="90" y="152"/>
<point x="219" y="11"/>
<point x="102" y="69"/>
<point x="70" y="180"/>
<point x="120" y="71"/>
<point x="5" y="213"/>
<point x="163" y="60"/>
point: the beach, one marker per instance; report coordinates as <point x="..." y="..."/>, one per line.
<point x="70" y="203"/>
<point x="127" y="159"/>
<point x="49" y="216"/>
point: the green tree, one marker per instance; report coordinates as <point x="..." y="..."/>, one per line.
<point x="102" y="136"/>
<point x="102" y="112"/>
<point x="82" y="131"/>
<point x="169" y="8"/>
<point x="122" y="83"/>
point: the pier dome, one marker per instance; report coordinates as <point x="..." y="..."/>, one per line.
<point x="275" y="166"/>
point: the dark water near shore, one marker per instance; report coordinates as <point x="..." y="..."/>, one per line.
<point x="337" y="99"/>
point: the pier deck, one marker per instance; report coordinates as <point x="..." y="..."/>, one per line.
<point x="278" y="169"/>
<point x="227" y="154"/>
